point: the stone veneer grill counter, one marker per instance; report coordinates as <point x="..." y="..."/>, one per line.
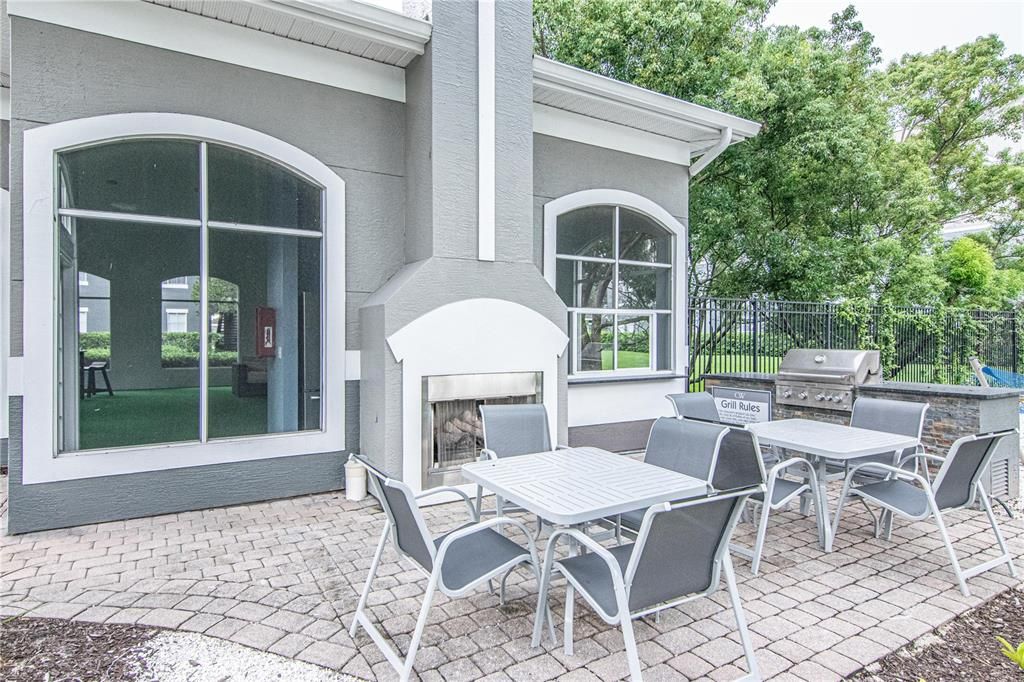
<point x="954" y="411"/>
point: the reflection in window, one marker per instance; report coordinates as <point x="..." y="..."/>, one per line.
<point x="614" y="271"/>
<point x="171" y="328"/>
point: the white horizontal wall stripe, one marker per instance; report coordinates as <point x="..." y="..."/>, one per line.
<point x="148" y="24"/>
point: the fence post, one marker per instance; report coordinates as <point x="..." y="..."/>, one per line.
<point x="756" y="345"/>
<point x="828" y="324"/>
<point x="1013" y="338"/>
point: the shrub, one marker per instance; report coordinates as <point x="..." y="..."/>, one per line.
<point x="92" y="340"/>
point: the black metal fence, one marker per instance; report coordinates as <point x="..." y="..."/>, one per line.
<point x="916" y="343"/>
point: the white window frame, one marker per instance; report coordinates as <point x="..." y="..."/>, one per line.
<point x="83" y="279"/>
<point x="171" y="284"/>
<point x="635" y="202"/>
<point x="41" y="462"/>
<point x="168" y="312"/>
<point x="83" y="322"/>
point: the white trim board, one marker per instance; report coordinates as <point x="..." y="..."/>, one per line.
<point x="569" y="125"/>
<point x="36" y="372"/>
<point x="169" y="29"/>
<point x="486" y="107"/>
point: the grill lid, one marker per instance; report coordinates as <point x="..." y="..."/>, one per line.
<point x="852" y="367"/>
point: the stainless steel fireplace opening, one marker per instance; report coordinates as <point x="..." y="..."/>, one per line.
<point x="452" y="430"/>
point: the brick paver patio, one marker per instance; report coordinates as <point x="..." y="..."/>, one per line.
<point x="284" y="577"/>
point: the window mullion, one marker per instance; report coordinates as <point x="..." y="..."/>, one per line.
<point x="615" y="290"/>
<point x="204" y="282"/>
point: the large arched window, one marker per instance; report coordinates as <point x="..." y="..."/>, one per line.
<point x="611" y="257"/>
<point x="213" y="240"/>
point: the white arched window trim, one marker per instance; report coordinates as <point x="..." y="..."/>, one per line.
<point x="40" y="462"/>
<point x="615" y="197"/>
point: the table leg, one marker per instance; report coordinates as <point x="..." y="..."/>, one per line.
<point x="821" y="504"/>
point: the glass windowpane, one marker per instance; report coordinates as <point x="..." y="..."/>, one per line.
<point x="642" y="287"/>
<point x="634" y="342"/>
<point x="642" y="239"/>
<point x="585" y="284"/>
<point x="265" y="321"/>
<point x="247" y="189"/>
<point x="149" y="400"/>
<point x="144" y="177"/>
<point x="588" y="232"/>
<point x="663" y="361"/>
<point x="595" y="342"/>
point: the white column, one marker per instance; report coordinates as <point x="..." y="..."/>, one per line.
<point x="486" y="143"/>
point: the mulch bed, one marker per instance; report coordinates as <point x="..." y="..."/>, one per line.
<point x="963" y="649"/>
<point x="33" y="649"/>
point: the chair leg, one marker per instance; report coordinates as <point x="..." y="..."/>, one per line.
<point x="877" y="520"/>
<point x="887" y="517"/>
<point x="421" y="623"/>
<point x="762" y="528"/>
<point x="995" y="529"/>
<point x="479" y="501"/>
<point x="106" y="380"/>
<point x="949" y="548"/>
<point x="741" y="620"/>
<point x="632" y="655"/>
<point x="369" y="579"/>
<point x="570" y="602"/>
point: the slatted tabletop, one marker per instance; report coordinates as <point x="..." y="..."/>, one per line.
<point x="575" y="485"/>
<point x="834" y="441"/>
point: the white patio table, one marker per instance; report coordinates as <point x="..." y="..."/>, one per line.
<point x="820" y="441"/>
<point x="572" y="486"/>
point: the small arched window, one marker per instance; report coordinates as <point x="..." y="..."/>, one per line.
<point x="614" y="268"/>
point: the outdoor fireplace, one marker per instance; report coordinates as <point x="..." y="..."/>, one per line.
<point x="452" y="429"/>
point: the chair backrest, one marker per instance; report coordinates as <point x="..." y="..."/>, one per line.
<point x="968" y="457"/>
<point x="679" y="548"/>
<point x="686" y="447"/>
<point x="694" y="406"/>
<point x="511" y="430"/>
<point x="738" y="463"/>
<point x="408" y="530"/>
<point x="901" y="417"/>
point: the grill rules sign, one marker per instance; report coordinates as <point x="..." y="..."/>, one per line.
<point x="742" y="406"/>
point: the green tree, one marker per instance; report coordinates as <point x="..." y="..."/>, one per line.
<point x="844" y="192"/>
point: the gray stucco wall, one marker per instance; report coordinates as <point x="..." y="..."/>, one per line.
<point x="63" y="74"/>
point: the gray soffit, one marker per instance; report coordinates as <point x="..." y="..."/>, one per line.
<point x="342" y="25"/>
<point x="581" y="92"/>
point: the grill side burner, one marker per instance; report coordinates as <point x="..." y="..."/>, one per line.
<point x="825" y="378"/>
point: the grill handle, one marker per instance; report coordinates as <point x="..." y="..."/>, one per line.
<point x="814" y="376"/>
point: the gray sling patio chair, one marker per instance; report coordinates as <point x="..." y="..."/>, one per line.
<point x="454" y="563"/>
<point x="957" y="486"/>
<point x="680" y="445"/>
<point x="694" y="406"/>
<point x="679" y="555"/>
<point x="510" y="431"/>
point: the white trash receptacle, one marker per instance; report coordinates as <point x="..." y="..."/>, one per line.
<point x="355" y="481"/>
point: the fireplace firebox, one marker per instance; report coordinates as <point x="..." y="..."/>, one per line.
<point x="452" y="428"/>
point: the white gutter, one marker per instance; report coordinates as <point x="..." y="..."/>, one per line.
<point x="710" y="155"/>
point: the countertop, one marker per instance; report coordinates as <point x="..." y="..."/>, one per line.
<point x="952" y="391"/>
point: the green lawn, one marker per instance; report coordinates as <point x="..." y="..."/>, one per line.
<point x="167" y="415"/>
<point x="628" y="359"/>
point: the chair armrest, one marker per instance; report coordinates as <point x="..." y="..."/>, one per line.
<point x="588" y="542"/>
<point x="484" y="525"/>
<point x="450" y="489"/>
<point x="487" y="455"/>
<point x="895" y="471"/>
<point x="922" y="455"/>
<point x="798" y="462"/>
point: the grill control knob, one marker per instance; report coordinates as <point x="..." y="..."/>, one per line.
<point x="820" y="396"/>
<point x="837" y="398"/>
<point x="802" y="395"/>
<point x="787" y="393"/>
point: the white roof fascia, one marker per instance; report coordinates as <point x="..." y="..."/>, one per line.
<point x="594" y="87"/>
<point x="376" y="24"/>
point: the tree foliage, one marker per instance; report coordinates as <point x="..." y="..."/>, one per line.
<point x="857" y="167"/>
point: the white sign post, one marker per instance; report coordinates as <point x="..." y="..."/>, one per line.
<point x="742" y="406"/>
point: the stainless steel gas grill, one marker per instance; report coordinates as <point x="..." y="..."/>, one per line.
<point x="825" y="379"/>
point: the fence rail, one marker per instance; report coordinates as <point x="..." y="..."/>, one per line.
<point x="916" y="343"/>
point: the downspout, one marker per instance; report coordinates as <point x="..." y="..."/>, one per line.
<point x="725" y="137"/>
<point x="712" y="154"/>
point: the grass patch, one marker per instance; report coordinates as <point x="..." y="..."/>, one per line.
<point x="167" y="415"/>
